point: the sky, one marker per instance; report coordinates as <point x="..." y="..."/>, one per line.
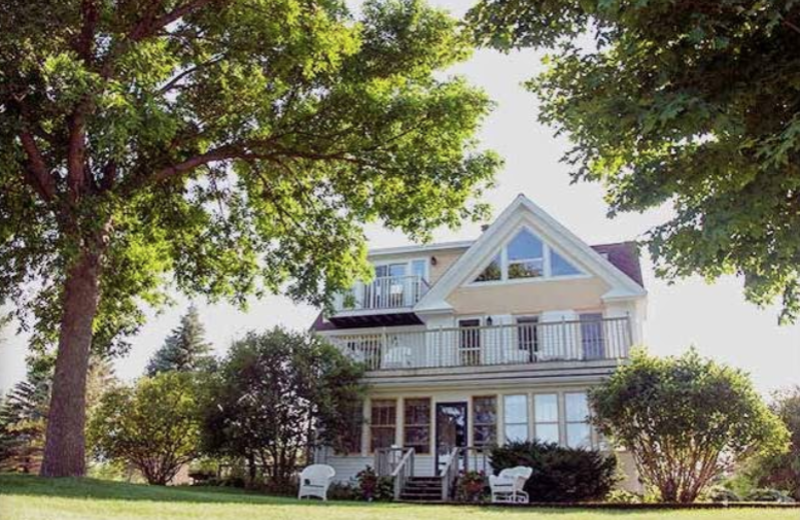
<point x="715" y="318"/>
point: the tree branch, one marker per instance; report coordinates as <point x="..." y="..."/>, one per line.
<point x="38" y="175"/>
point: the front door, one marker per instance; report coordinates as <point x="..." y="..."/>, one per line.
<point x="451" y="431"/>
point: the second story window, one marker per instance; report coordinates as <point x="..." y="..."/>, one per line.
<point x="526" y="256"/>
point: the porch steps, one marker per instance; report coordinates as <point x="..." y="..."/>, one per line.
<point x="422" y="489"/>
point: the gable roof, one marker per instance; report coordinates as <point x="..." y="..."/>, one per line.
<point x="522" y="211"/>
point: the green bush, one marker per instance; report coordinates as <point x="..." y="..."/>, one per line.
<point x="344" y="491"/>
<point x="559" y="474"/>
<point x="373" y="487"/>
<point x="719" y="494"/>
<point x="623" y="496"/>
<point x="472" y="486"/>
<point x="768" y="495"/>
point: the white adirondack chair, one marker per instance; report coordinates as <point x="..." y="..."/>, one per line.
<point x="507" y="487"/>
<point x="315" y="480"/>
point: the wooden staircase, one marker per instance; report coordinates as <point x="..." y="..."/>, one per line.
<point x="422" y="489"/>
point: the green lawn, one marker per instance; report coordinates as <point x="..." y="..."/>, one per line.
<point x="33" y="498"/>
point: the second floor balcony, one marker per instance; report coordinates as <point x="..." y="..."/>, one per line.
<point x="607" y="339"/>
<point x="384" y="295"/>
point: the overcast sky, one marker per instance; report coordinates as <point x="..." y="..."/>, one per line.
<point x="714" y="318"/>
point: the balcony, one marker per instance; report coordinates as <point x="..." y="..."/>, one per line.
<point x="528" y="344"/>
<point x="386" y="300"/>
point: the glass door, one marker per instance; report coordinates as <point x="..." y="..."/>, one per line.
<point x="451" y="431"/>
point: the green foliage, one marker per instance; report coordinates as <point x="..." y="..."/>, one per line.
<point x="560" y="474"/>
<point x="277" y="396"/>
<point x="693" y="104"/>
<point x="185" y="349"/>
<point x="153" y="425"/>
<point x="23" y="415"/>
<point x="782" y="470"/>
<point x="685" y="420"/>
<point x="374" y="488"/>
<point x="768" y="495"/>
<point x="472" y="486"/>
<point x="232" y="147"/>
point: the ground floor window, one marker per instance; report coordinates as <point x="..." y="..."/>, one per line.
<point x="579" y="433"/>
<point x="417" y="425"/>
<point x="484" y="430"/>
<point x="515" y="416"/>
<point x="383" y="423"/>
<point x="545" y="410"/>
<point x="351" y="439"/>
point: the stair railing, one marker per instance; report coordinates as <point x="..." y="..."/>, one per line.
<point x="402" y="472"/>
<point x="450" y="473"/>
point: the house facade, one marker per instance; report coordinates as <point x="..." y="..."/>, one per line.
<point x="476" y="343"/>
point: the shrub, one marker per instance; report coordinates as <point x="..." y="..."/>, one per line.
<point x="623" y="496"/>
<point x="768" y="495"/>
<point x="719" y="494"/>
<point x="559" y="474"/>
<point x="684" y="420"/>
<point x="471" y="486"/>
<point x="344" y="491"/>
<point x="373" y="487"/>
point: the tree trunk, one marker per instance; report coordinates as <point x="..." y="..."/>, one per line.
<point x="65" y="449"/>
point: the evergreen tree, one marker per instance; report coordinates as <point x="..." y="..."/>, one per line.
<point x="23" y="416"/>
<point x="185" y="349"/>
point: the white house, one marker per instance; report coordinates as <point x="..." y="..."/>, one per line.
<point x="469" y="344"/>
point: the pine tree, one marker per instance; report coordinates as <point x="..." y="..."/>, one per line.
<point x="185" y="349"/>
<point x="23" y="416"/>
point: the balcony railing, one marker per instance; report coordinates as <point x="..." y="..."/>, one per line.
<point x="387" y="292"/>
<point x="522" y="343"/>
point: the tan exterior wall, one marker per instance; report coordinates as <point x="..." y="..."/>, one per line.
<point x="529" y="297"/>
<point x="444" y="259"/>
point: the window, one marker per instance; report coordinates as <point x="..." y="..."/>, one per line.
<point x="561" y="267"/>
<point x="492" y="271"/>
<point x="579" y="433"/>
<point x="484" y="410"/>
<point x="527" y="256"/>
<point x="515" y="416"/>
<point x="417" y="425"/>
<point x="383" y="422"/>
<point x="546" y="417"/>
<point x="351" y="439"/>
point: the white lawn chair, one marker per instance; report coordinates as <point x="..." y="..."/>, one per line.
<point x="507" y="487"/>
<point x="315" y="480"/>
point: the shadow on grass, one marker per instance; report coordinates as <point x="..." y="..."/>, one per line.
<point x="87" y="488"/>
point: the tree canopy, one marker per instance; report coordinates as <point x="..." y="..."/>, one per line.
<point x="185" y="349"/>
<point x="685" y="420"/>
<point x="691" y="104"/>
<point x="220" y="147"/>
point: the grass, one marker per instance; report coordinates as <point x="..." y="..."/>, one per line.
<point x="24" y="497"/>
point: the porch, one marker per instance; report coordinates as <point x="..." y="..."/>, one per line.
<point x="523" y="343"/>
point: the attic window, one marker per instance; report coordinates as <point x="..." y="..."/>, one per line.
<point x="527" y="256"/>
<point x="492" y="271"/>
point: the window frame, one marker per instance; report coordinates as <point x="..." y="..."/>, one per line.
<point x="373" y="426"/>
<point x="586" y="421"/>
<point x="526" y="422"/>
<point x="427" y="426"/>
<point x="556" y="422"/>
<point x="547" y="274"/>
<point x="476" y="424"/>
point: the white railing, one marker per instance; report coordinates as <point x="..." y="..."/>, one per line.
<point x="386" y="292"/>
<point x="522" y="343"/>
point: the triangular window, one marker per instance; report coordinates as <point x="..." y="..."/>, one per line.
<point x="492" y="271"/>
<point x="559" y="266"/>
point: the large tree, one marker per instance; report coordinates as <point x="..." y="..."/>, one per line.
<point x="782" y="470"/>
<point x="235" y="147"/>
<point x="685" y="420"/>
<point x="694" y="104"/>
<point x="185" y="349"/>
